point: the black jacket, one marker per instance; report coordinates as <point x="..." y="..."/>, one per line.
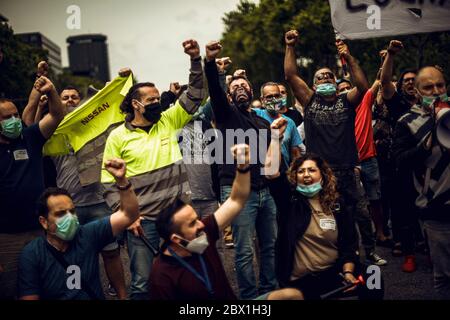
<point x="230" y="117"/>
<point x="292" y="225"/>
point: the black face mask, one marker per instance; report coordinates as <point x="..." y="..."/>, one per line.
<point x="242" y="104"/>
<point x="153" y="112"/>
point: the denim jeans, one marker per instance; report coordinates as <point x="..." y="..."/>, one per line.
<point x="141" y="260"/>
<point x="258" y="214"/>
<point x="370" y="177"/>
<point x="363" y="219"/>
<point x="438" y="234"/>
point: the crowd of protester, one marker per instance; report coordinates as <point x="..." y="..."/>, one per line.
<point x="334" y="166"/>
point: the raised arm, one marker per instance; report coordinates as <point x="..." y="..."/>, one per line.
<point x="358" y="77"/>
<point x="302" y="92"/>
<point x="129" y="206"/>
<point x="388" y="88"/>
<point x="56" y="110"/>
<point x="219" y="101"/>
<point x="29" y="113"/>
<point x="191" y="99"/>
<point x="273" y="157"/>
<point x="240" y="190"/>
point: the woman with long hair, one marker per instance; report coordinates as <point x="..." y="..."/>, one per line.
<point x="317" y="245"/>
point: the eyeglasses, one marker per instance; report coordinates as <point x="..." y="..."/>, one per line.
<point x="272" y="96"/>
<point x="325" y="75"/>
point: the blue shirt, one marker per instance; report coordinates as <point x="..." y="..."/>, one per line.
<point x="21" y="181"/>
<point x="41" y="274"/>
<point x="291" y="137"/>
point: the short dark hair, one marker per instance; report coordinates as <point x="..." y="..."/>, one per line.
<point x="339" y="81"/>
<point x="73" y="88"/>
<point x="234" y="78"/>
<point x="402" y="76"/>
<point x="268" y="84"/>
<point x="133" y="93"/>
<point x="164" y="221"/>
<point x="42" y="204"/>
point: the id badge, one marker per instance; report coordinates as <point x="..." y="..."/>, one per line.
<point x="20" y="155"/>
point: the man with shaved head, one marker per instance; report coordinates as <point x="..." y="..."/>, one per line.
<point x="415" y="145"/>
<point x="329" y="116"/>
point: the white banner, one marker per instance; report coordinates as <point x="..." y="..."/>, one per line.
<point x="362" y="19"/>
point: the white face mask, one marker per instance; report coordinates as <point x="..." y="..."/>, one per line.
<point x="198" y="245"/>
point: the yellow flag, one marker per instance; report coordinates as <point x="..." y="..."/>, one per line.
<point x="90" y="120"/>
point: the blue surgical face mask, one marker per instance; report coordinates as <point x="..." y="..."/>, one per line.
<point x="311" y="190"/>
<point x="326" y="89"/>
<point x="67" y="226"/>
<point x="11" y="128"/>
<point x="283" y="103"/>
<point x="427" y="101"/>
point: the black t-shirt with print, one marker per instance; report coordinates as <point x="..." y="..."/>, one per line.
<point x="330" y="131"/>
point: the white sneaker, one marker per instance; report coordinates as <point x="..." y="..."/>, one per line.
<point x="374" y="258"/>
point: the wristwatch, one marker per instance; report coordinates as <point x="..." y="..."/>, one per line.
<point x="123" y="188"/>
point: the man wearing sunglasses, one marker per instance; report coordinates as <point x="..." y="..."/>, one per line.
<point x="329" y="116"/>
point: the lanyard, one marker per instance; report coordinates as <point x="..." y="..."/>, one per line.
<point x="204" y="279"/>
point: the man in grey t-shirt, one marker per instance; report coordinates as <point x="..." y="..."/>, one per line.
<point x="89" y="202"/>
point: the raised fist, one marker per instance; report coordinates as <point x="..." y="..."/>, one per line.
<point x="175" y="88"/>
<point x="241" y="152"/>
<point x="43" y="100"/>
<point x="240" y="73"/>
<point x="43" y="85"/>
<point x="42" y="69"/>
<point x="125" y="72"/>
<point x="383" y="54"/>
<point x="278" y="127"/>
<point x="395" y="47"/>
<point x="223" y="63"/>
<point x="117" y="168"/>
<point x="191" y="48"/>
<point x="212" y="50"/>
<point x="291" y="38"/>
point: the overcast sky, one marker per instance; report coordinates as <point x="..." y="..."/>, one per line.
<point x="145" y="35"/>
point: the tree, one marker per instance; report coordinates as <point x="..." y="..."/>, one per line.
<point x="18" y="67"/>
<point x="254" y="39"/>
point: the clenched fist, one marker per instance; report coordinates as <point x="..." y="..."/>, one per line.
<point x="42" y="69"/>
<point x="278" y="127"/>
<point x="291" y="37"/>
<point x="124" y="72"/>
<point x="241" y="152"/>
<point x="43" y="85"/>
<point x="223" y="63"/>
<point x="212" y="50"/>
<point x="117" y="168"/>
<point x="395" y="47"/>
<point x="191" y="48"/>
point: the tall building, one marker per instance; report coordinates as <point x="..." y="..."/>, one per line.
<point x="37" y="39"/>
<point x="88" y="56"/>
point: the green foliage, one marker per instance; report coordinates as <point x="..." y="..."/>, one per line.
<point x="19" y="66"/>
<point x="254" y="39"/>
<point x="66" y="79"/>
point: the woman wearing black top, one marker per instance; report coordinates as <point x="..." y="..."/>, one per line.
<point x="317" y="245"/>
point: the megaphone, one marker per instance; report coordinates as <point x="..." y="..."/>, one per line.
<point x="443" y="128"/>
